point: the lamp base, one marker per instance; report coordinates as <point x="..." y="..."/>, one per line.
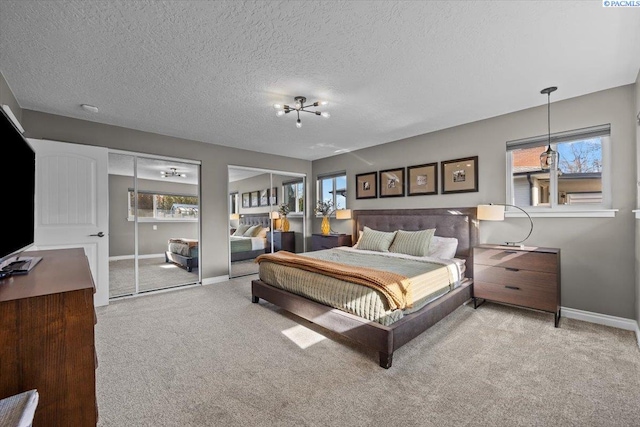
<point x="514" y="245"/>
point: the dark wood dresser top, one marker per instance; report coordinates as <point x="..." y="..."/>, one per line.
<point x="58" y="271"/>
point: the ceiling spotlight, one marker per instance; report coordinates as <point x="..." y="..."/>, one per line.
<point x="172" y="172"/>
<point x="300" y="107"/>
<point x="89" y="108"/>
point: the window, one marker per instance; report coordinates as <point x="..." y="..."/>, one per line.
<point x="293" y="195"/>
<point x="333" y="188"/>
<point x="163" y="207"/>
<point x="579" y="179"/>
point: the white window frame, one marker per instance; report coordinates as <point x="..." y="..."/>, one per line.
<point x="298" y="181"/>
<point x="332" y="176"/>
<point x="554" y="209"/>
<point x="156" y="218"/>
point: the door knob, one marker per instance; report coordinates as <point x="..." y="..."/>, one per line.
<point x="100" y="234"/>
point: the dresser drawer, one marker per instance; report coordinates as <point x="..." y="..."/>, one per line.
<point x="536" y="261"/>
<point x="541" y="298"/>
<point x="515" y="277"/>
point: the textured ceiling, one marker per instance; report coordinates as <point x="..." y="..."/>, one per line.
<point x="210" y="71"/>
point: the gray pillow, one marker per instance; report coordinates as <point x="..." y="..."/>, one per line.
<point x="374" y="240"/>
<point x="414" y="243"/>
<point x="253" y="231"/>
<point x="241" y="229"/>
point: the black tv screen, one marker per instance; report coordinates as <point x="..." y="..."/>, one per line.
<point x="19" y="171"/>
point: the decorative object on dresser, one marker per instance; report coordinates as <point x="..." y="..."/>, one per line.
<point x="527" y="277"/>
<point x="323" y="241"/>
<point x="459" y="175"/>
<point x="324" y="208"/>
<point x="283" y="241"/>
<point x="495" y="212"/>
<point x="47" y="342"/>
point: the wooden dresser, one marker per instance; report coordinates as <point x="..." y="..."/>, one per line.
<point x="282" y="241"/>
<point x="528" y="277"/>
<point x="47" y="343"/>
<point x="328" y="241"/>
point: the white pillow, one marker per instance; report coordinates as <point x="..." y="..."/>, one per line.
<point x="443" y="247"/>
<point x="263" y="232"/>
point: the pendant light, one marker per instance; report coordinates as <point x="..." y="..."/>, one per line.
<point x="549" y="159"/>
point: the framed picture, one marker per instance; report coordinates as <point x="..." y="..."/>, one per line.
<point x="255" y="199"/>
<point x="422" y="180"/>
<point x="246" y="200"/>
<point x="459" y="175"/>
<point x="392" y="183"/>
<point x="366" y="185"/>
<point x="273" y="196"/>
<point x="264" y="197"/>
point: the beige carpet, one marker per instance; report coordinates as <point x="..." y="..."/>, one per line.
<point x="153" y="274"/>
<point x="207" y="356"/>
<point x="243" y="268"/>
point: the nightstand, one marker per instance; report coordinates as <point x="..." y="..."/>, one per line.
<point x="328" y="241"/>
<point x="527" y="277"/>
<point x="282" y="241"/>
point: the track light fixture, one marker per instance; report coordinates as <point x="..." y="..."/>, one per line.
<point x="299" y="107"/>
<point x="172" y="172"/>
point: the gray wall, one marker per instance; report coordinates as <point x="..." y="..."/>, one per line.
<point x="6" y="97"/>
<point x="636" y="113"/>
<point x="598" y="271"/>
<point x="121" y="230"/>
<point x="214" y="176"/>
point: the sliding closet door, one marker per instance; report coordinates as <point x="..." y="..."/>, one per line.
<point x="167" y="219"/>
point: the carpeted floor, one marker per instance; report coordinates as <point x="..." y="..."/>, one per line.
<point x="207" y="356"/>
<point x="243" y="268"/>
<point x="153" y="274"/>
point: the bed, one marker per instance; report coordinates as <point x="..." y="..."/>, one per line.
<point x="183" y="252"/>
<point x="249" y="247"/>
<point x="388" y="331"/>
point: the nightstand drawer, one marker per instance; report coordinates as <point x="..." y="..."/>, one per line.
<point x="536" y="261"/>
<point x="532" y="280"/>
<point x="541" y="298"/>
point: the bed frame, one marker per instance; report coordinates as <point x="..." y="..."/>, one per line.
<point x="251" y="219"/>
<point x="189" y="263"/>
<point x="460" y="223"/>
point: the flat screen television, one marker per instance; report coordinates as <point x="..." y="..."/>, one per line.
<point x="17" y="213"/>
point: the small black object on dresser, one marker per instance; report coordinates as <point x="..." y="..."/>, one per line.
<point x="282" y="241"/>
<point x="328" y="241"/>
<point x="527" y="277"/>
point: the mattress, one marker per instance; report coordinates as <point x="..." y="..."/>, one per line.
<point x="244" y="244"/>
<point x="184" y="247"/>
<point x="430" y="279"/>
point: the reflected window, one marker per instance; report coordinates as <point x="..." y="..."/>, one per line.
<point x="293" y="195"/>
<point x="163" y="207"/>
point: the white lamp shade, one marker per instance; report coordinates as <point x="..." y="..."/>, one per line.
<point x="274" y="215"/>
<point x="234" y="216"/>
<point x="343" y="214"/>
<point x="491" y="212"/>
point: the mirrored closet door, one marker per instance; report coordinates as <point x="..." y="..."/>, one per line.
<point x="154" y="217"/>
<point x="266" y="214"/>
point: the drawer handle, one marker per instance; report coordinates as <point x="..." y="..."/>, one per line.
<point x="511" y="269"/>
<point x="515" y="288"/>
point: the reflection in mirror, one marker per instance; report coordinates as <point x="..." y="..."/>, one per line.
<point x="257" y="220"/>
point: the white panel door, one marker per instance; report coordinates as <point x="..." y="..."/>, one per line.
<point x="72" y="204"/>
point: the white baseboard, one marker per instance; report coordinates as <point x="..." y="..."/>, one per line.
<point x="121" y="257"/>
<point x="213" y="280"/>
<point x="603" y="319"/>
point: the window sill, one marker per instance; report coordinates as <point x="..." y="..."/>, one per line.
<point x="582" y="213"/>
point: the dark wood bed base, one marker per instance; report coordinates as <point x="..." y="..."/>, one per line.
<point x="185" y="261"/>
<point x="451" y="222"/>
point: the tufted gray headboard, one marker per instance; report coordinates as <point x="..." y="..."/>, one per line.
<point x="461" y="223"/>
<point x="254" y="219"/>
